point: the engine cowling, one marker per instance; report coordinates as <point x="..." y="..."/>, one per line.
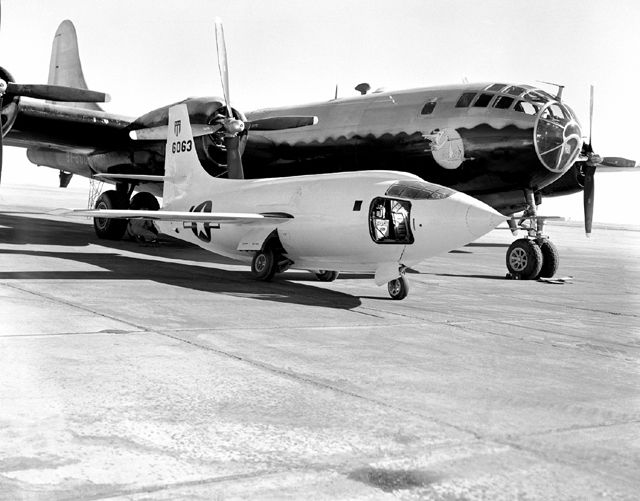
<point x="202" y="110"/>
<point x="10" y="103"/>
<point x="571" y="182"/>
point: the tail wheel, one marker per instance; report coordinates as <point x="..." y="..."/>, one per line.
<point x="111" y="229"/>
<point x="550" y="259"/>
<point x="524" y="259"/>
<point x="326" y="276"/>
<point x="264" y="265"/>
<point x="398" y="288"/>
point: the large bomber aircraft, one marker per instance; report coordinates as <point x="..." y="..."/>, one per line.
<point x="505" y="144"/>
<point x="366" y="221"/>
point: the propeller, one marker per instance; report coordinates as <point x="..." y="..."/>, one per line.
<point x="589" y="166"/>
<point x="234" y="127"/>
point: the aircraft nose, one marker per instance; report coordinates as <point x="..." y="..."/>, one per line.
<point x="480" y="218"/>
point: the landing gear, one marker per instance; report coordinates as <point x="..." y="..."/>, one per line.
<point x="270" y="260"/>
<point x="111" y="229"/>
<point x="550" y="259"/>
<point x="144" y="201"/>
<point x="326" y="276"/>
<point x="524" y="259"/>
<point x="118" y="199"/>
<point x="535" y="256"/>
<point x="398" y="288"/>
<point x="264" y="265"/>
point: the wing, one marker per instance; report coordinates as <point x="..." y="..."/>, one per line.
<point x="205" y="217"/>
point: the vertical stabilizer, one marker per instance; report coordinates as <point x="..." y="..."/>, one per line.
<point x="184" y="178"/>
<point x="65" y="68"/>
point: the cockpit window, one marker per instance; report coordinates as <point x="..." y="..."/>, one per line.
<point x="418" y="190"/>
<point x="496" y="87"/>
<point x="483" y="100"/>
<point x="389" y="221"/>
<point x="514" y="90"/>
<point x="429" y="106"/>
<point x="554" y="112"/>
<point x="503" y="102"/>
<point x="465" y="99"/>
<point x="525" y="107"/>
<point x="538" y="96"/>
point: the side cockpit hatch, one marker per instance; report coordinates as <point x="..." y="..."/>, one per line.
<point x="389" y="221"/>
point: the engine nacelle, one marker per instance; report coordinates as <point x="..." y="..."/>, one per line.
<point x="202" y="110"/>
<point x="10" y="103"/>
<point x="571" y="182"/>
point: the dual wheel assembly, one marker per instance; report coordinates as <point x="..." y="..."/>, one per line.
<point x="114" y="229"/>
<point x="529" y="259"/>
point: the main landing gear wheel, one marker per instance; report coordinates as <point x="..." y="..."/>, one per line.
<point x="550" y="259"/>
<point x="111" y="229"/>
<point x="264" y="265"/>
<point x="326" y="276"/>
<point x="398" y="288"/>
<point x="144" y="201"/>
<point x="524" y="259"/>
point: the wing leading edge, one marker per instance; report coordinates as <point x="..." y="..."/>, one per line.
<point x="161" y="215"/>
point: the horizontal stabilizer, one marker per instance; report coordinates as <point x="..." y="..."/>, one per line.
<point x="160" y="215"/>
<point x="160" y="133"/>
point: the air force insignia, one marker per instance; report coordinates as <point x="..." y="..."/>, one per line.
<point x="202" y="230"/>
<point x="177" y="125"/>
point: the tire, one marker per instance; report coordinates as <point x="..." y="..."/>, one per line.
<point x="524" y="259"/>
<point x="550" y="259"/>
<point x="327" y="276"/>
<point x="398" y="288"/>
<point x="144" y="201"/>
<point x="111" y="229"/>
<point x="264" y="265"/>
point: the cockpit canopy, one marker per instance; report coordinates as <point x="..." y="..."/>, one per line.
<point x="418" y="190"/>
<point x="520" y="98"/>
<point x="557" y="133"/>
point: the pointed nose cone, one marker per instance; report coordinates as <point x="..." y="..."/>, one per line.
<point x="480" y="218"/>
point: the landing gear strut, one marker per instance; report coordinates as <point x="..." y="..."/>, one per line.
<point x="535" y="256"/>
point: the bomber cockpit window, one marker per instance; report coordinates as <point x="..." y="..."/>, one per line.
<point x="418" y="190"/>
<point x="514" y="90"/>
<point x="483" y="101"/>
<point x="427" y="109"/>
<point x="389" y="221"/>
<point x="525" y="107"/>
<point x="496" y="87"/>
<point x="503" y="102"/>
<point x="465" y="99"/>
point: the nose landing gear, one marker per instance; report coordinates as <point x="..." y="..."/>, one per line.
<point x="535" y="256"/>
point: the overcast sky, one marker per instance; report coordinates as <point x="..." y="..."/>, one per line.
<point x="149" y="53"/>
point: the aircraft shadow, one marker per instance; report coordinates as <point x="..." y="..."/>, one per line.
<point x="113" y="266"/>
<point x="487" y="277"/>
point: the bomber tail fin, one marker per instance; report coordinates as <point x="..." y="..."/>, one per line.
<point x="65" y="68"/>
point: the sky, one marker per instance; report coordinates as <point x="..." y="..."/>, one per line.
<point x="147" y="54"/>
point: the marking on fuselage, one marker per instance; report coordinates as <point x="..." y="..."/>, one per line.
<point x="201" y="230"/>
<point x="447" y="147"/>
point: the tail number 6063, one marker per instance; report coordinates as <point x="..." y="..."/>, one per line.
<point x="180" y="146"/>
